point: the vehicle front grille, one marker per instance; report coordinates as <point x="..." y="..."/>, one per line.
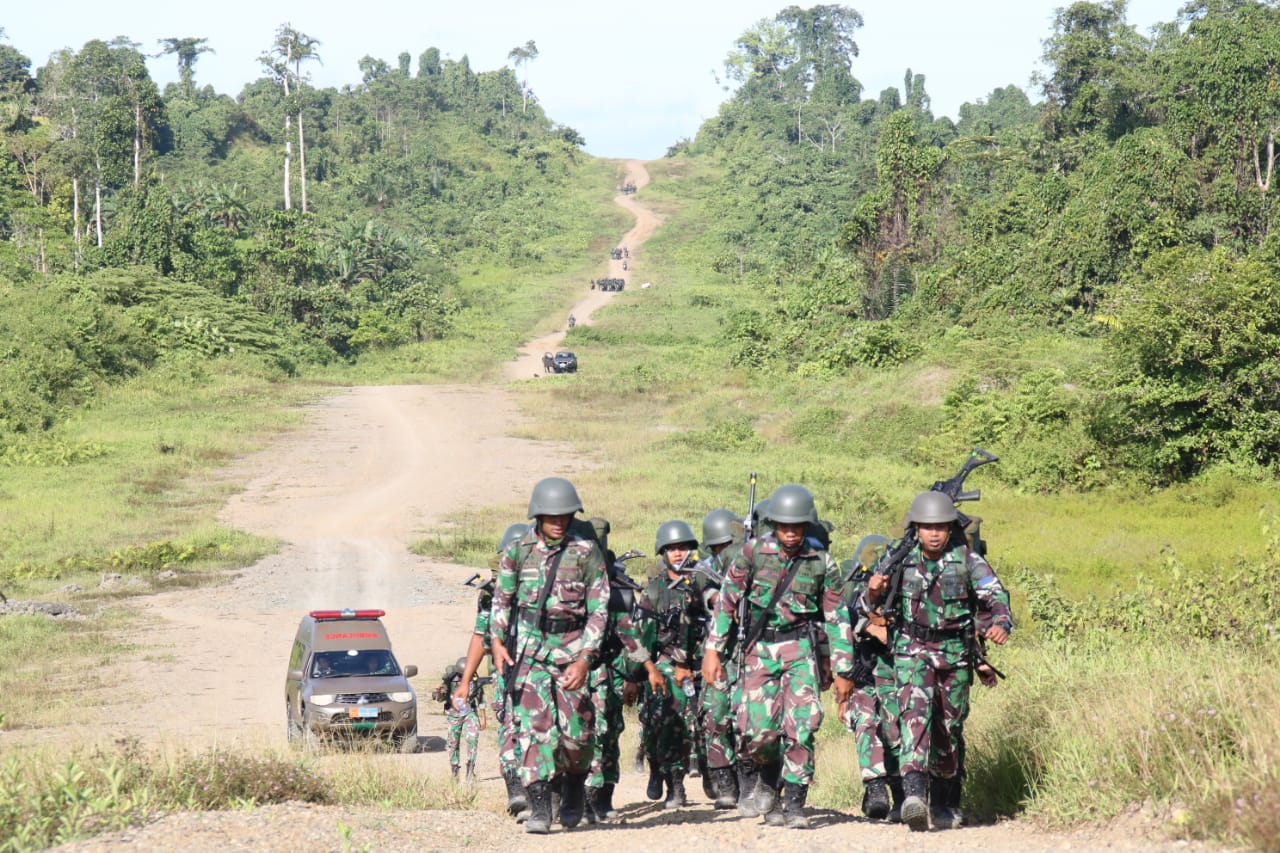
<point x="369" y="698"/>
<point x="339" y="720"/>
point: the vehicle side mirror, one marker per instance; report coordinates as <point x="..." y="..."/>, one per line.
<point x="294" y="675"/>
<point x="410" y="671"/>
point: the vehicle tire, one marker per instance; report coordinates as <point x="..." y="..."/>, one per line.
<point x="292" y="730"/>
<point x="407" y="744"/>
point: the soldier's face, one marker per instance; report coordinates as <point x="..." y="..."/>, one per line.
<point x="676" y="554"/>
<point x="789" y="534"/>
<point x="933" y="536"/>
<point x="555" y="526"/>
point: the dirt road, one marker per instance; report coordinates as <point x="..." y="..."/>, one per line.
<point x="371" y="469"/>
<point x="529" y="362"/>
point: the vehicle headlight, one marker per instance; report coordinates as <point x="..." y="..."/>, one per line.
<point x="406" y="696"/>
<point x="321" y="698"/>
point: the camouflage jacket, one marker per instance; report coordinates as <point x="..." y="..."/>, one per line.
<point x="672" y="622"/>
<point x="579" y="594"/>
<point x="484" y="617"/>
<point x="814" y="596"/>
<point x="947" y="594"/>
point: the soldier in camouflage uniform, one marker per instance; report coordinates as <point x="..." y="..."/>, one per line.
<point x="721" y="539"/>
<point x="463" y="713"/>
<point x="477" y="648"/>
<point x="944" y="586"/>
<point x="790" y="591"/>
<point x="871" y="713"/>
<point x="606" y="684"/>
<point x="669" y="647"/>
<point x="552" y="584"/>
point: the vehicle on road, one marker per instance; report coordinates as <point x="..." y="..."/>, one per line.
<point x="565" y="362"/>
<point x="344" y="682"/>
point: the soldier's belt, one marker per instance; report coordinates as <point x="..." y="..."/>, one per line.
<point x="541" y="622"/>
<point x="791" y="632"/>
<point x="925" y="634"/>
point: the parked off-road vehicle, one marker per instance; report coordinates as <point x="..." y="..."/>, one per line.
<point x="344" y="682"/>
<point x="565" y="362"/>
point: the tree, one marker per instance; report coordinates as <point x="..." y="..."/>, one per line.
<point x="187" y="50"/>
<point x="284" y="61"/>
<point x="522" y="56"/>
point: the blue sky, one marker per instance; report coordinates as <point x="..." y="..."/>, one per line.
<point x="630" y="78"/>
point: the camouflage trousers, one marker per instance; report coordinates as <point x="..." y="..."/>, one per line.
<point x="933" y="700"/>
<point x="667" y="733"/>
<point x="606" y="694"/>
<point x="555" y="726"/>
<point x="872" y="717"/>
<point x="508" y="746"/>
<point x="780" y="708"/>
<point x="719" y="722"/>
<point x="460" y="724"/>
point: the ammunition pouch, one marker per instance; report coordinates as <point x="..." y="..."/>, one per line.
<point x="541" y="622"/>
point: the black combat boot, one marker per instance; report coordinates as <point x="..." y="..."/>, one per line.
<point x="453" y="772"/>
<point x="539" y="796"/>
<point x="604" y="802"/>
<point x="875" y="799"/>
<point x="748" y="773"/>
<point x="654" y="791"/>
<point x="944" y="803"/>
<point x="573" y="800"/>
<point x="767" y="784"/>
<point x="793" y="797"/>
<point x="895" y="788"/>
<point x="640" y="757"/>
<point x="516" y="799"/>
<point x="708" y="780"/>
<point x="471" y="774"/>
<point x="675" y="790"/>
<point x="915" y="808"/>
<point x="725" y="782"/>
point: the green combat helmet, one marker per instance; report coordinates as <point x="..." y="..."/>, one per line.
<point x="932" y="508"/>
<point x="672" y="533"/>
<point x="791" y="504"/>
<point x="511" y="535"/>
<point x="554" y="496"/>
<point x="718" y="527"/>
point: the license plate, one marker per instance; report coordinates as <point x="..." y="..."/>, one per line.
<point x="363" y="712"/>
<point x="363" y="727"/>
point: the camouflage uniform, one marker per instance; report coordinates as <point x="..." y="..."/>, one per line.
<point x="932" y="669"/>
<point x="669" y="634"/>
<point x="555" y="726"/>
<point x="605" y="683"/>
<point x="508" y="747"/>
<point x="780" y="709"/>
<point x="465" y="722"/>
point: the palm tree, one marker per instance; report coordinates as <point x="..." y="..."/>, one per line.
<point x="187" y="50"/>
<point x="284" y="61"/>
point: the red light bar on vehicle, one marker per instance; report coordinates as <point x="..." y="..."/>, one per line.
<point x="348" y="614"/>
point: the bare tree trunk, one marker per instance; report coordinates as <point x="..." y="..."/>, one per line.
<point x="137" y="144"/>
<point x="302" y="162"/>
<point x="75" y="211"/>
<point x="97" y="210"/>
<point x="288" y="147"/>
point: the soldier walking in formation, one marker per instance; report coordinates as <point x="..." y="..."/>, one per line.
<point x="943" y="586"/>
<point x="606" y="685"/>
<point x="465" y="716"/>
<point x="553" y="587"/>
<point x="668" y="643"/>
<point x="477" y="648"/>
<point x="720" y="540"/>
<point x="782" y="593"/>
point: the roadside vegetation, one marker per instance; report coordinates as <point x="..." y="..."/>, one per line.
<point x="1083" y="286"/>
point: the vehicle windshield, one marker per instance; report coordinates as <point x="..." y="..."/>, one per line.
<point x="362" y="662"/>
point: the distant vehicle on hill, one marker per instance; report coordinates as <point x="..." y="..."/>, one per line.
<point x="565" y="362"/>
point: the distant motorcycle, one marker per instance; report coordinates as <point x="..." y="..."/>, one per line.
<point x="572" y="321"/>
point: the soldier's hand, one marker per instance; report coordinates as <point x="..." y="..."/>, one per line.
<point x="824" y="674"/>
<point x="630" y="693"/>
<point x="876" y="585"/>
<point x="501" y="658"/>
<point x="575" y="675"/>
<point x="657" y="683"/>
<point x="464" y="690"/>
<point x="844" y="689"/>
<point x="997" y="634"/>
<point x="987" y="675"/>
<point x="712" y="671"/>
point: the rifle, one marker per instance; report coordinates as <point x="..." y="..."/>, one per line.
<point x="896" y="559"/>
<point x="487" y="586"/>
